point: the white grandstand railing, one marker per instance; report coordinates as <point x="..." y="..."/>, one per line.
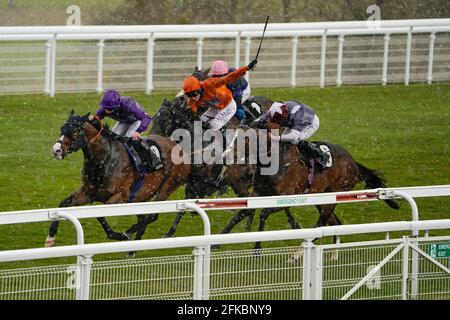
<point x="238" y="32"/>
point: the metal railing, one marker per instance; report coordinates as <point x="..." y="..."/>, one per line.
<point x="161" y="35"/>
<point x="202" y="255"/>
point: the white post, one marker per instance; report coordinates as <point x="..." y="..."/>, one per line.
<point x="52" y="67"/>
<point x="294" y="62"/>
<point x="206" y="251"/>
<point x="237" y="51"/>
<point x="316" y="273"/>
<point x="248" y="42"/>
<point x="387" y="38"/>
<point x="199" y="53"/>
<point x="415" y="234"/>
<point x="408" y="57"/>
<point x="48" y="49"/>
<point x="323" y="57"/>
<point x="198" y="273"/>
<point x="85" y="265"/>
<point x="81" y="272"/>
<point x="307" y="245"/>
<point x="405" y="272"/>
<point x="339" y="62"/>
<point x="100" y="45"/>
<point x="430" y="58"/>
<point x="150" y="52"/>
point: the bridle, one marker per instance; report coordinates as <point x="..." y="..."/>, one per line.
<point x="68" y="130"/>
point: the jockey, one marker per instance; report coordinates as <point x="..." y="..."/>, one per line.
<point x="239" y="88"/>
<point x="214" y="94"/>
<point x="301" y="122"/>
<point x="132" y="120"/>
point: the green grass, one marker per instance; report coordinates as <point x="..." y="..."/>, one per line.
<point x="401" y="131"/>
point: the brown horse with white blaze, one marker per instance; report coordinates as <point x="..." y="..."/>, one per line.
<point x="109" y="175"/>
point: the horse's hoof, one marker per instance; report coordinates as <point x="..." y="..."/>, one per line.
<point x="257" y="252"/>
<point x="50" y="242"/>
<point x="296" y="256"/>
<point x="131" y="255"/>
<point x="215" y="246"/>
<point x="334" y="256"/>
<point x="167" y="235"/>
<point x="126" y="236"/>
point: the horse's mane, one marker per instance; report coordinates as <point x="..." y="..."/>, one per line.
<point x="106" y="132"/>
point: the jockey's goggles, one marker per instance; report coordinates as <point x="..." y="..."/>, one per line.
<point x="192" y="93"/>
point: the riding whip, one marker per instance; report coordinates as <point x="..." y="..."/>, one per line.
<point x="260" y="43"/>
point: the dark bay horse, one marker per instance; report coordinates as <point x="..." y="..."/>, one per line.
<point x="109" y="174"/>
<point x="174" y="115"/>
<point x="292" y="178"/>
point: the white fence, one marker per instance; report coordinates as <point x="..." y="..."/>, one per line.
<point x="410" y="267"/>
<point x="91" y="58"/>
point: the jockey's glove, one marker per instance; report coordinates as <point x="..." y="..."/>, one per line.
<point x="252" y="64"/>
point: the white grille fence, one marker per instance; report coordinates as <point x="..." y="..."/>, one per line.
<point x="415" y="266"/>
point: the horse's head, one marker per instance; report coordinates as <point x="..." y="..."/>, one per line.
<point x="172" y="115"/>
<point x="199" y="74"/>
<point x="72" y="136"/>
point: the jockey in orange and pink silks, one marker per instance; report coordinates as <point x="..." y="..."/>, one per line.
<point x="213" y="94"/>
<point x="240" y="88"/>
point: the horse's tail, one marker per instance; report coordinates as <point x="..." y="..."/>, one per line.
<point x="374" y="180"/>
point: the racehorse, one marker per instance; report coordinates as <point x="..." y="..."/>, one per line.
<point x="174" y="115"/>
<point x="293" y="177"/>
<point x="109" y="175"/>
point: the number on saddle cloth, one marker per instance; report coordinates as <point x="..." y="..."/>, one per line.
<point x="312" y="151"/>
<point x="252" y="109"/>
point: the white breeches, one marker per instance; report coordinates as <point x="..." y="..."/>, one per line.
<point x="126" y="130"/>
<point x="217" y="118"/>
<point x="246" y="94"/>
<point x="295" y="136"/>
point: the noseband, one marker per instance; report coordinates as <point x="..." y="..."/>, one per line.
<point x="68" y="129"/>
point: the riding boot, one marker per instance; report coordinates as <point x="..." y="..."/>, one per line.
<point x="149" y="155"/>
<point x="155" y="161"/>
<point x="314" y="151"/>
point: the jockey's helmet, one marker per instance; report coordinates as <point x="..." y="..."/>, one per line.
<point x="110" y="100"/>
<point x="219" y="68"/>
<point x="278" y="112"/>
<point x="191" y="85"/>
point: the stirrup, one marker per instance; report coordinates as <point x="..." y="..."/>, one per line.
<point x="156" y="163"/>
<point x="323" y="160"/>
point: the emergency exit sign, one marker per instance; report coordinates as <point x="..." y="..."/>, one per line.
<point x="439" y="250"/>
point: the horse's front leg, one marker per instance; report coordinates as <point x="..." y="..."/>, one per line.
<point x="143" y="221"/>
<point x="174" y="226"/>
<point x="262" y="222"/>
<point x="110" y="233"/>
<point x="78" y="198"/>
<point x="241" y="214"/>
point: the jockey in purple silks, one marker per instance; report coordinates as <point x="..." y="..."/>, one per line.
<point x="132" y="120"/>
